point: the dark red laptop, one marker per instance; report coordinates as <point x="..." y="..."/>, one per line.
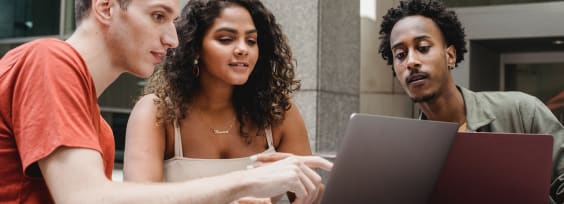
<point x="496" y="168"/>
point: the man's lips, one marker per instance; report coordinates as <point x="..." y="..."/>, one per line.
<point x="416" y="77"/>
<point x="158" y="56"/>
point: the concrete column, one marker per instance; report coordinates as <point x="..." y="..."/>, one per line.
<point x="325" y="38"/>
<point x="380" y="91"/>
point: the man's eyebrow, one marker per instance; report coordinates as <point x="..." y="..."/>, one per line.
<point x="165" y="7"/>
<point x="394" y="46"/>
<point x="418" y="38"/>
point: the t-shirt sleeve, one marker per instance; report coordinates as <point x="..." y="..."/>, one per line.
<point x="52" y="105"/>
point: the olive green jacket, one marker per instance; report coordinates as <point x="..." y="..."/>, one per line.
<point x="515" y="112"/>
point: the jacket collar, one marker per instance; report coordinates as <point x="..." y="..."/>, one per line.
<point x="480" y="114"/>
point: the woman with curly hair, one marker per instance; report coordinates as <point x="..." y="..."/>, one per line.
<point x="222" y="96"/>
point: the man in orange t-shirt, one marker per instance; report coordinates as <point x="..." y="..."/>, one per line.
<point x="54" y="145"/>
<point x="39" y="80"/>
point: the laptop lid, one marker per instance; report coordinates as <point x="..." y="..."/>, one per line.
<point x="388" y="160"/>
<point x="496" y="168"/>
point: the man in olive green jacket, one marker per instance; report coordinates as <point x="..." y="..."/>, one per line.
<point x="424" y="42"/>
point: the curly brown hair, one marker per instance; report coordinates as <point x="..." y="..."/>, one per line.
<point x="263" y="99"/>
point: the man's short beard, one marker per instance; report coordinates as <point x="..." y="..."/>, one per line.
<point x="426" y="98"/>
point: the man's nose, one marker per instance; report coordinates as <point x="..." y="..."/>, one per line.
<point x="413" y="60"/>
<point x="170" y="38"/>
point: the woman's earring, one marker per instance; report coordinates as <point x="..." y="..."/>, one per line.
<point x="196" y="68"/>
<point x="450" y="67"/>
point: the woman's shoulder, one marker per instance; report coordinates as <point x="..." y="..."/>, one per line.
<point x="146" y="105"/>
<point x="291" y="120"/>
<point x="147" y="100"/>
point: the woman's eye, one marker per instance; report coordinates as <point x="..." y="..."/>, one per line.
<point x="225" y="40"/>
<point x="252" y="41"/>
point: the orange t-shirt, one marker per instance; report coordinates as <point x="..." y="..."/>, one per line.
<point x="47" y="100"/>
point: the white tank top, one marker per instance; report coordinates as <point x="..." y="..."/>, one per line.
<point x="180" y="168"/>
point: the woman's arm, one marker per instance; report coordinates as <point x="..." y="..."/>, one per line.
<point x="292" y="133"/>
<point x="144" y="143"/>
<point x="294" y="139"/>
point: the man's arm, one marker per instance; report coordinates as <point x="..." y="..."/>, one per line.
<point x="544" y="122"/>
<point x="76" y="175"/>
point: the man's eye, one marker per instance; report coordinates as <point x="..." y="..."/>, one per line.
<point x="158" y="17"/>
<point x="424" y="49"/>
<point x="400" y="55"/>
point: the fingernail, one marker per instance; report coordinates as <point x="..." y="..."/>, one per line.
<point x="253" y="158"/>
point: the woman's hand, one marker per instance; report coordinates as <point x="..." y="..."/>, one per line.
<point x="277" y="173"/>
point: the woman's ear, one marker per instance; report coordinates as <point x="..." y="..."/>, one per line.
<point x="102" y="10"/>
<point x="451" y="55"/>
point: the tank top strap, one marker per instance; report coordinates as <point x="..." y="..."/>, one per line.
<point x="177" y="141"/>
<point x="269" y="139"/>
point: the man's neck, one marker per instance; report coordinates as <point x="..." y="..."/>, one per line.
<point x="88" y="40"/>
<point x="448" y="107"/>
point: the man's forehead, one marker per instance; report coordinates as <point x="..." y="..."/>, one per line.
<point x="170" y="6"/>
<point x="414" y="27"/>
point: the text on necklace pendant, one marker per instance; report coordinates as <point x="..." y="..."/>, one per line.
<point x="220" y="131"/>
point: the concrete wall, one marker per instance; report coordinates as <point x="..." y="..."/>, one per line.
<point x="325" y="38"/>
<point x="380" y="92"/>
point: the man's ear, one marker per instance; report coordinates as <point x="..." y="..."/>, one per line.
<point x="101" y="9"/>
<point x="451" y="55"/>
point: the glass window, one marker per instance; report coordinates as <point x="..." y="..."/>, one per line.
<point x="7" y="47"/>
<point x="116" y="103"/>
<point x="26" y="18"/>
<point x="69" y="24"/>
<point x="118" y="121"/>
<point x="122" y="93"/>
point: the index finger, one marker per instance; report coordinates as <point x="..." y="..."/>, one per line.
<point x="316" y="162"/>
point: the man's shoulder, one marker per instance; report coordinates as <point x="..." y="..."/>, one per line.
<point x="510" y="95"/>
<point x="40" y="48"/>
<point x="509" y="100"/>
<point x="40" y="45"/>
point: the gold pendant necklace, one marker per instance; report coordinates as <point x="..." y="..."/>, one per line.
<point x="217" y="131"/>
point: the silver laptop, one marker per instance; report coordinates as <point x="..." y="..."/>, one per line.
<point x="389" y="160"/>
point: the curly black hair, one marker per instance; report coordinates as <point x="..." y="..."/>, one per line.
<point x="263" y="99"/>
<point x="446" y="20"/>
